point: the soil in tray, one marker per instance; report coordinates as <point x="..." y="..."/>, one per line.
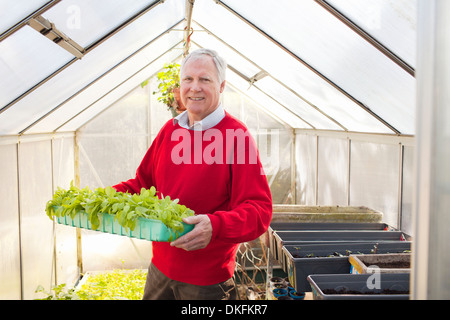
<point x="348" y="291"/>
<point x="335" y="254"/>
<point x="393" y="264"/>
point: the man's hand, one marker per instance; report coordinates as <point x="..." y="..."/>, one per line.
<point x="199" y="237"/>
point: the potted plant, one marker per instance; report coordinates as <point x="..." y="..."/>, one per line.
<point x="279" y="292"/>
<point x="169" y="88"/>
<point x="296" y="295"/>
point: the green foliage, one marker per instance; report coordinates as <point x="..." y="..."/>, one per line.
<point x="59" y="292"/>
<point x="114" y="285"/>
<point x="168" y="79"/>
<point x="108" y="285"/>
<point x="125" y="207"/>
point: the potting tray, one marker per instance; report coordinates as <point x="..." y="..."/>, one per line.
<point x="294" y="215"/>
<point x="388" y="286"/>
<point x="302" y="226"/>
<point x="297" y="226"/>
<point x="283" y="238"/>
<point x="146" y="229"/>
<point x="337" y="214"/>
<point x="384" y="263"/>
<point x="315" y="258"/>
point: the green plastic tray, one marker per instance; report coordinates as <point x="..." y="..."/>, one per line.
<point x="146" y="229"/>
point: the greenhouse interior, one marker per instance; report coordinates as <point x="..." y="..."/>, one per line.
<point x="346" y="100"/>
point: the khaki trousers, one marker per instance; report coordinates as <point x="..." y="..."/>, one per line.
<point x="160" y="287"/>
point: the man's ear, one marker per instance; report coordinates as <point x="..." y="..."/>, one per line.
<point x="222" y="86"/>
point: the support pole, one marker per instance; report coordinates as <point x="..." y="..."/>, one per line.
<point x="77" y="183"/>
<point x="430" y="276"/>
<point x="189" y="8"/>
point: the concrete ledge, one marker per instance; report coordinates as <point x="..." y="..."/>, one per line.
<point x="336" y="214"/>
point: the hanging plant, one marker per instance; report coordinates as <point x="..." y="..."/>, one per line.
<point x="169" y="88"/>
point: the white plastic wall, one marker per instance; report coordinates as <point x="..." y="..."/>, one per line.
<point x="111" y="147"/>
<point x="28" y="167"/>
<point x="356" y="170"/>
<point x="36" y="230"/>
<point x="9" y="226"/>
<point x="65" y="266"/>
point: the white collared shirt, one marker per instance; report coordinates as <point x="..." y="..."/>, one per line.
<point x="207" y="123"/>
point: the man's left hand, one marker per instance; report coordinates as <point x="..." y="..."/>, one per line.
<point x="199" y="237"/>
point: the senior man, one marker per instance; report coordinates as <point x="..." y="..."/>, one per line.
<point x="207" y="159"/>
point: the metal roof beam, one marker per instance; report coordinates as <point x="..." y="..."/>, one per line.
<point x="125" y="24"/>
<point x="25" y="21"/>
<point x="322" y="76"/>
<point x="378" y="45"/>
<point x="103" y="75"/>
<point x="87" y="50"/>
<point x="249" y="80"/>
<point x="112" y="89"/>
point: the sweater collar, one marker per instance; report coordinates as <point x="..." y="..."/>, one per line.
<point x="206" y="123"/>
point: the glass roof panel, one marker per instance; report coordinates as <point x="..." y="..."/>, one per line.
<point x="109" y="82"/>
<point x="235" y="82"/>
<point x="247" y="110"/>
<point x="301" y="108"/>
<point x="393" y="23"/>
<point x="13" y="11"/>
<point x="86" y="21"/>
<point x="26" y="58"/>
<point x="337" y="52"/>
<point x="91" y="66"/>
<point x="118" y="92"/>
<point x="233" y="58"/>
<point x="283" y="66"/>
<point x="315" y="36"/>
<point x="269" y="105"/>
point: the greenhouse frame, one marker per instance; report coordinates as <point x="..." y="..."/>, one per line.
<point x="346" y="100"/>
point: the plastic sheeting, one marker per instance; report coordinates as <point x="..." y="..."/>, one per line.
<point x="319" y="72"/>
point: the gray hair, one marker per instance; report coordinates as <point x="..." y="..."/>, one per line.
<point x="220" y="63"/>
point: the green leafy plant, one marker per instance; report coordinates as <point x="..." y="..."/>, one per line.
<point x="59" y="292"/>
<point x="114" y="285"/>
<point x="119" y="284"/>
<point x="169" y="88"/>
<point x="125" y="207"/>
<point x="168" y="79"/>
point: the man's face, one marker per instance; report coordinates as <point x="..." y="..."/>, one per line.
<point x="200" y="87"/>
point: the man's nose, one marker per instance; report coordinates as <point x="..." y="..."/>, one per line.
<point x="195" y="86"/>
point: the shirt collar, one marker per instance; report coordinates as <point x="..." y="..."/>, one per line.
<point x="208" y="122"/>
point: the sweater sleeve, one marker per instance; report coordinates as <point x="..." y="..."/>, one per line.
<point x="250" y="211"/>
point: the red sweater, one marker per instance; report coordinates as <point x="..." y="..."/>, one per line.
<point x="216" y="181"/>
